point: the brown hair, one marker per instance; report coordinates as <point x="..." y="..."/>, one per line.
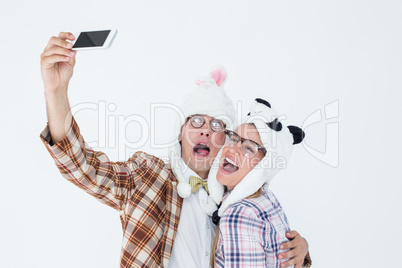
<point x="215" y="242"/>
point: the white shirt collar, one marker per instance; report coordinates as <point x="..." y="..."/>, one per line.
<point x="187" y="172"/>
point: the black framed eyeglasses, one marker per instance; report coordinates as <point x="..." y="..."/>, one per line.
<point x="198" y="121"/>
<point x="249" y="148"/>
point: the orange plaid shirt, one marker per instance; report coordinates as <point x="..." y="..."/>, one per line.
<point x="142" y="189"/>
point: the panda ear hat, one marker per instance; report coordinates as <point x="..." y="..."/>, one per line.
<point x="276" y="138"/>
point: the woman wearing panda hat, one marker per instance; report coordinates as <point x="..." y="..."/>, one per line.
<point x="252" y="222"/>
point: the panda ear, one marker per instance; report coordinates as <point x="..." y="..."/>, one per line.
<point x="275" y="125"/>
<point x="298" y="134"/>
<point x="262" y="101"/>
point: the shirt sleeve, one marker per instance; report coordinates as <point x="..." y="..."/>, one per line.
<point x="307" y="261"/>
<point x="92" y="171"/>
<point x="241" y="231"/>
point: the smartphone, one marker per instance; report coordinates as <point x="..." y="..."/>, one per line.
<point x="94" y="39"/>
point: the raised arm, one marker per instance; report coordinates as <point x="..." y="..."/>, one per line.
<point x="57" y="64"/>
<point x="112" y="183"/>
<point x="92" y="171"/>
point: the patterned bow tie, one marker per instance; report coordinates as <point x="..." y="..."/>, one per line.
<point x="196" y="183"/>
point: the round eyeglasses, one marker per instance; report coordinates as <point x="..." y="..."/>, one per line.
<point x="198" y="121"/>
<point x="249" y="148"/>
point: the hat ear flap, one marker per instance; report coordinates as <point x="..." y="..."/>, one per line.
<point x="298" y="134"/>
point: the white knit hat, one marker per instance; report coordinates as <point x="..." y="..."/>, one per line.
<point x="276" y="138"/>
<point x="208" y="98"/>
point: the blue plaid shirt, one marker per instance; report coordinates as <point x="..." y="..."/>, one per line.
<point x="250" y="233"/>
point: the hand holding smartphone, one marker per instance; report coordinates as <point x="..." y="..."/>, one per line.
<point x="94" y="39"/>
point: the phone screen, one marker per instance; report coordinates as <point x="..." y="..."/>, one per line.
<point x="91" y="39"/>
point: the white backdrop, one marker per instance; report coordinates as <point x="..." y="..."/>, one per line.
<point x="300" y="55"/>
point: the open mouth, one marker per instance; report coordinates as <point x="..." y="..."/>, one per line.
<point x="201" y="149"/>
<point x="229" y="165"/>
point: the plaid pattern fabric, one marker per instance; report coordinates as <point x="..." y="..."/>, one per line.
<point x="142" y="189"/>
<point x="307" y="261"/>
<point x="250" y="233"/>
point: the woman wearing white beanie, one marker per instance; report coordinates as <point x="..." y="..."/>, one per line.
<point x="252" y="222"/>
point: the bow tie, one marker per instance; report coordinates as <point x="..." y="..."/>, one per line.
<point x="196" y="183"/>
